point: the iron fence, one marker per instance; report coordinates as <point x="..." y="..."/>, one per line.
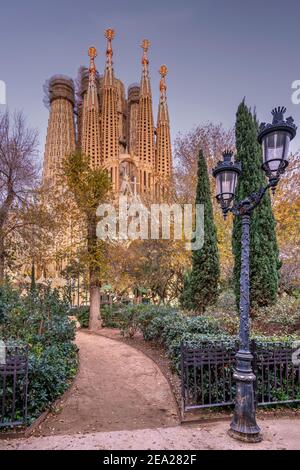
<point x="207" y="369"/>
<point x="277" y="378"/>
<point x="13" y="387"/>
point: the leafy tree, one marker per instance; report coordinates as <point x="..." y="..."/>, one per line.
<point x="264" y="256"/>
<point x="201" y="285"/>
<point x="90" y="187"/>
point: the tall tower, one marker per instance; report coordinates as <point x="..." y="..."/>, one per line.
<point x="145" y="133"/>
<point x="110" y="121"/>
<point x="60" y="140"/>
<point x="91" y="143"/>
<point x="163" y="138"/>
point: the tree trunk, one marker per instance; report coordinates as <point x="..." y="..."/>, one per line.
<point x="95" y="319"/>
<point x="2" y="259"/>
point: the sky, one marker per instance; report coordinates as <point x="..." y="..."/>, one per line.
<point x="216" y="51"/>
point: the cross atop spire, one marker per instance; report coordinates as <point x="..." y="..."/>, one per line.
<point x="145" y="46"/>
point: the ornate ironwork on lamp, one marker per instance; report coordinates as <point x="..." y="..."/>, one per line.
<point x="275" y="140"/>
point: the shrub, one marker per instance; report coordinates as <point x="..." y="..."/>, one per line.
<point x="152" y="320"/>
<point x="50" y="371"/>
<point x="39" y="318"/>
<point x="167" y="326"/>
<point x="284" y="317"/>
<point x="82" y="314"/>
<point x="110" y="315"/>
<point x="129" y="320"/>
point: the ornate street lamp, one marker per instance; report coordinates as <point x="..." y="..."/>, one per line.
<point x="275" y="139"/>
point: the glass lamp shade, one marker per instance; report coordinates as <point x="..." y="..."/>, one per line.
<point x="226" y="186"/>
<point x="226" y="173"/>
<point x="275" y="152"/>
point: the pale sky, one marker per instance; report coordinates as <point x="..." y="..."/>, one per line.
<point x="217" y="52"/>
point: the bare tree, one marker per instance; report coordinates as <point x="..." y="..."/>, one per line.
<point x="18" y="173"/>
<point x="212" y="139"/>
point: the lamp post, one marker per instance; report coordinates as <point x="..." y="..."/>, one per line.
<point x="275" y="139"/>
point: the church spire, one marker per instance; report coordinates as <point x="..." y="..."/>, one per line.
<point x="109" y="127"/>
<point x="109" y="70"/>
<point x="163" y="139"/>
<point x="163" y="114"/>
<point x="145" y="84"/>
<point x="145" y="135"/>
<point x="91" y="143"/>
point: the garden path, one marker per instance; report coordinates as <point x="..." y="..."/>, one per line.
<point x="117" y="388"/>
<point x="279" y="434"/>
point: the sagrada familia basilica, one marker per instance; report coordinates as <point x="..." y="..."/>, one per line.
<point x="115" y="130"/>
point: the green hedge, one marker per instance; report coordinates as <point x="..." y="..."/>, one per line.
<point x="170" y="327"/>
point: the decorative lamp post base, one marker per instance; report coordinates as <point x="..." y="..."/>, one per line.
<point x="243" y="426"/>
<point x="239" y="436"/>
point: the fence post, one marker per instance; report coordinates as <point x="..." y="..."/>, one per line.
<point x="254" y="365"/>
<point x="182" y="380"/>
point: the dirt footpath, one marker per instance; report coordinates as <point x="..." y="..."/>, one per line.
<point x="117" y="388"/>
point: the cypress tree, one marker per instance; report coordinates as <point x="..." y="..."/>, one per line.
<point x="201" y="283"/>
<point x="264" y="254"/>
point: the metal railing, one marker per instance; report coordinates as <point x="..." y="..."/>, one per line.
<point x="14" y="387"/>
<point x="207" y="370"/>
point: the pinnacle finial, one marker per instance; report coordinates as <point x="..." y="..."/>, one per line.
<point x="163" y="70"/>
<point x="92" y="52"/>
<point x="145" y="46"/>
<point x="110" y="34"/>
<point x="162" y="85"/>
